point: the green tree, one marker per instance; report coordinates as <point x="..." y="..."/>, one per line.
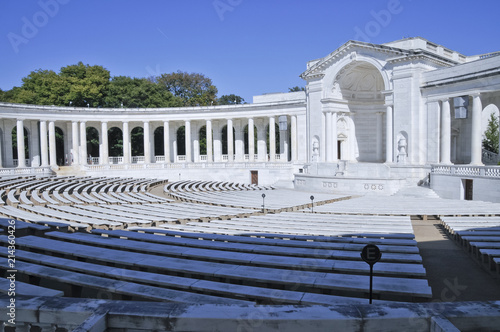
<point x="296" y="88"/>
<point x="41" y="87"/>
<point x="87" y="85"/>
<point x="491" y="135"/>
<point x="231" y="99"/>
<point x="194" y="89"/>
<point x="138" y="92"/>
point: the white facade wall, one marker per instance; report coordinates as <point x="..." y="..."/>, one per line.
<point x="381" y="110"/>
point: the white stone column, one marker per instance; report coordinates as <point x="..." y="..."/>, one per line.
<point x="239" y="137"/>
<point x="34" y="145"/>
<point x="230" y="140"/>
<point x="44" y="144"/>
<point x="187" y="139"/>
<point x="379" y="136"/>
<point x="208" y="127"/>
<point x="166" y="141"/>
<point x="195" y="134"/>
<point x="75" y="142"/>
<point x="329" y="137"/>
<point x="334" y="136"/>
<point x="147" y="142"/>
<point x="52" y="144"/>
<point x="251" y="140"/>
<point x="388" y="135"/>
<point x="126" y="143"/>
<point x="476" y="135"/>
<point x="283" y="140"/>
<point x="104" y="156"/>
<point x="21" y="157"/>
<point x="293" y="133"/>
<point x="272" y="139"/>
<point x="445" y="132"/>
<point x="83" y="143"/>
<point x="261" y="140"/>
<point x="217" y="142"/>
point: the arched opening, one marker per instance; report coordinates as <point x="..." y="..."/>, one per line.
<point x="246" y="141"/>
<point x="360" y="84"/>
<point x="225" y="145"/>
<point x="159" y="142"/>
<point x="276" y="140"/>
<point x="61" y="158"/>
<point x="115" y="145"/>
<point x="181" y="141"/>
<point x="491" y="133"/>
<point x="137" y="144"/>
<point x="203" y="140"/>
<point x="93" y="145"/>
<point x="14" y="145"/>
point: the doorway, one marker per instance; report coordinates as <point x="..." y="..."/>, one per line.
<point x="468" y="189"/>
<point x="339" y="150"/>
<point x="255" y="177"/>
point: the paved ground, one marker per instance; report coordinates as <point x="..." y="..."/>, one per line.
<point x="453" y="275"/>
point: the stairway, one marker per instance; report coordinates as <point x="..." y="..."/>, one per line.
<point x="69" y="171"/>
<point x="416" y="191"/>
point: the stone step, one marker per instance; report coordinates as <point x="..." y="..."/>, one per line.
<point x="416" y="191"/>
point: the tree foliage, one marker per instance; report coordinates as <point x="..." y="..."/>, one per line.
<point x="491" y="135"/>
<point x="296" y="88"/>
<point x="138" y="92"/>
<point x="84" y="85"/>
<point x="194" y="89"/>
<point x="231" y="99"/>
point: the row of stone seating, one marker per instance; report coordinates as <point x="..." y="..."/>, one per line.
<point x="274" y="201"/>
<point x="133" y="265"/>
<point x="100" y="213"/>
<point x="480" y="236"/>
<point x="307" y="224"/>
<point x="79" y="190"/>
<point x="406" y="205"/>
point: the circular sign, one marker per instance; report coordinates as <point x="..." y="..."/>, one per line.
<point x="263" y="195"/>
<point x="371" y="254"/>
<point x="312" y="197"/>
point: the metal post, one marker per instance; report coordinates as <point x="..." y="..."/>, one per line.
<point x="263" y="206"/>
<point x="312" y="202"/>
<point x="371" y="283"/>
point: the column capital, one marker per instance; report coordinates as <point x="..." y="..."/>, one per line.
<point x="475" y="94"/>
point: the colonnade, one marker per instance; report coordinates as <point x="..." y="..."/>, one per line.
<point x="76" y="147"/>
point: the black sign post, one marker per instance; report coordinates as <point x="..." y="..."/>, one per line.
<point x="263" y="204"/>
<point x="371" y="254"/>
<point x="312" y="203"/>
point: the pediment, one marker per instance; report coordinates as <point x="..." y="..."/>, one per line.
<point x="351" y="50"/>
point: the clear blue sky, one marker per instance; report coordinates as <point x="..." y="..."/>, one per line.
<point x="247" y="47"/>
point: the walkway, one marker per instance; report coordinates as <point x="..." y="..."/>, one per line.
<point x="452" y="274"/>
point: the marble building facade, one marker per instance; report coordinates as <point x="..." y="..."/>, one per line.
<point x="383" y="116"/>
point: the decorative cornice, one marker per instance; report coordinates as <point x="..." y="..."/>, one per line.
<point x="316" y="70"/>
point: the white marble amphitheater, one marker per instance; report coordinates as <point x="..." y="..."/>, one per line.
<point x="189" y="225"/>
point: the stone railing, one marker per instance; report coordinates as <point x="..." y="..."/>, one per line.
<point x="15" y="162"/>
<point x="138" y="159"/>
<point x="184" y="165"/>
<point x="25" y="170"/>
<point x="115" y="160"/>
<point x="490" y="157"/>
<point x="465" y="170"/>
<point x="93" y="160"/>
